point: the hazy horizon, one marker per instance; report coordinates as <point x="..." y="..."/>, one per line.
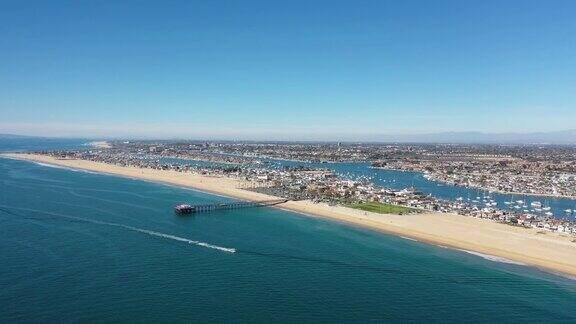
<point x="558" y="137"/>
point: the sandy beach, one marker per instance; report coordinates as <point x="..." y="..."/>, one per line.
<point x="546" y="250"/>
<point x="100" y="144"/>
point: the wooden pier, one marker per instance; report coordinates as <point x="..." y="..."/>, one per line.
<point x="189" y="209"/>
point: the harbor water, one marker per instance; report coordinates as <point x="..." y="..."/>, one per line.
<point x="399" y="180"/>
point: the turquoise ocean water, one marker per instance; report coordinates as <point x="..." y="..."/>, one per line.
<point x="78" y="246"/>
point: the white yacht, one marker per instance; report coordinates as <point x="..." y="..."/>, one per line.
<point x="536" y="204"/>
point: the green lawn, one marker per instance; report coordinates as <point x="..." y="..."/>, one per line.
<point x="381" y="208"/>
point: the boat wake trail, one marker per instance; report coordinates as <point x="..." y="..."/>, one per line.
<point x="127" y="227"/>
<point x="177" y="238"/>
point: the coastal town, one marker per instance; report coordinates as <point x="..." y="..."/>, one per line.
<point x="522" y="169"/>
<point x="250" y="164"/>
<point x="545" y="170"/>
<point x="506" y="174"/>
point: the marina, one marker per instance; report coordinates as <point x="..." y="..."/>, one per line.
<point x="562" y="208"/>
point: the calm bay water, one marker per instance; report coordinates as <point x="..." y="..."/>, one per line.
<point x="402" y="179"/>
<point x="77" y="246"/>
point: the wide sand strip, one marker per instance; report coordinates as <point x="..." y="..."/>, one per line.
<point x="100" y="144"/>
<point x="546" y="250"/>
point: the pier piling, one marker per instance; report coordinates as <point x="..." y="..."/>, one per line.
<point x="189" y="209"/>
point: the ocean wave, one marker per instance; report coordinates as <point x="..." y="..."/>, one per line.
<point x="83" y="171"/>
<point x="569" y="277"/>
<point x="63" y="167"/>
<point x="492" y="257"/>
<point x="50" y="165"/>
<point x="409" y="238"/>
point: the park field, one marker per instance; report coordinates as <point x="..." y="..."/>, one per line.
<point x="381" y="208"/>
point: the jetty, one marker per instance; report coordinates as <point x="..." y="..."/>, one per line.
<point x="190" y="209"/>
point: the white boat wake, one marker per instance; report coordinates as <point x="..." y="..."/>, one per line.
<point x="177" y="238"/>
<point x="136" y="229"/>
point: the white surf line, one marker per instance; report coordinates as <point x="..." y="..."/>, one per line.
<point x="488" y="257"/>
<point x="49" y="165"/>
<point x="57" y="166"/>
<point x="140" y="230"/>
<point x="155" y="182"/>
<point x="492" y="258"/>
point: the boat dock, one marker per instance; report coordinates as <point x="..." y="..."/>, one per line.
<point x="190" y="209"/>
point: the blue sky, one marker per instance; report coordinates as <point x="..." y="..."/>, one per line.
<point x="286" y="69"/>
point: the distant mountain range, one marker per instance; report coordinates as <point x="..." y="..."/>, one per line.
<point x="557" y="137"/>
<point x="565" y="137"/>
<point x="12" y="136"/>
